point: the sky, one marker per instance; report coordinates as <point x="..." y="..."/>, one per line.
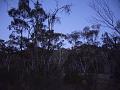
<point x="81" y="15"/>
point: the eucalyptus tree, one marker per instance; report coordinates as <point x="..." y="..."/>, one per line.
<point x="90" y="34"/>
<point x="2" y="45"/>
<point x="105" y="15"/>
<point x="38" y="17"/>
<point x="56" y="41"/>
<point x="19" y="22"/>
<point x="53" y="15"/>
<point x="52" y="19"/>
<point x="74" y="38"/>
<point x="110" y="41"/>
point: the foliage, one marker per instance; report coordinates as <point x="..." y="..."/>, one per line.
<point x="90" y="34"/>
<point x="34" y="57"/>
<point x="74" y="38"/>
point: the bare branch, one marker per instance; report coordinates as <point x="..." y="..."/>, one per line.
<point x="52" y="16"/>
<point x="104" y="14"/>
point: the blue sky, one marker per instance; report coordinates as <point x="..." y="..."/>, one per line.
<point x="80" y="16"/>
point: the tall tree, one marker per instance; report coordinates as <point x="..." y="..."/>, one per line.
<point x="38" y="16"/>
<point x="105" y="15"/>
<point x="52" y="19"/>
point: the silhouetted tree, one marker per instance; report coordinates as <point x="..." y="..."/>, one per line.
<point x="74" y="38"/>
<point x="52" y="19"/>
<point x="90" y="34"/>
<point x="54" y="40"/>
<point x="2" y="45"/>
<point x="105" y="15"/>
<point x="38" y="16"/>
<point x="19" y="23"/>
<point x="110" y="40"/>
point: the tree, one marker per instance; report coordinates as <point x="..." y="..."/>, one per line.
<point x="2" y="45"/>
<point x="57" y="41"/>
<point x="53" y="40"/>
<point x="19" y="23"/>
<point x="33" y="20"/>
<point x="37" y="16"/>
<point x="90" y="34"/>
<point x="110" y="41"/>
<point x="74" y="38"/>
<point x="105" y="15"/>
<point x="52" y="18"/>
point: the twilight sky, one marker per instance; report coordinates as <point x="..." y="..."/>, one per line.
<point x="80" y="16"/>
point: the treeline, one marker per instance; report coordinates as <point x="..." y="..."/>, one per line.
<point x="34" y="57"/>
<point x="61" y="69"/>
